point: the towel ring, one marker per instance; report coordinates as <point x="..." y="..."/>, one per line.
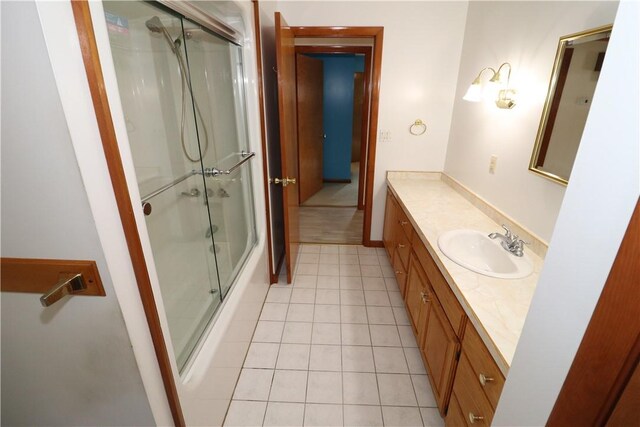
<point x="417" y="128"/>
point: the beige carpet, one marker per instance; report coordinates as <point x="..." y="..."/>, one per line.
<point x="336" y="194"/>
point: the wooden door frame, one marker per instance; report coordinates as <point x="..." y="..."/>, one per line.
<point x="93" y="68"/>
<point x="610" y="348"/>
<point x="376" y="33"/>
<point x="366" y="102"/>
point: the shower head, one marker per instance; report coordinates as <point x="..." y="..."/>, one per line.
<point x="154" y="25"/>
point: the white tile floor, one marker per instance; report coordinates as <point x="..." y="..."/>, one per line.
<point x="334" y="348"/>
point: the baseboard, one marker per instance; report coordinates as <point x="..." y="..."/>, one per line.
<point x="376" y="244"/>
<point x="337" y="181"/>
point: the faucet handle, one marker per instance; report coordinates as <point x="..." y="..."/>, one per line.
<point x="508" y="232"/>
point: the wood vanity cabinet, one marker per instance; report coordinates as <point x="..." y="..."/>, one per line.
<point x="465" y="380"/>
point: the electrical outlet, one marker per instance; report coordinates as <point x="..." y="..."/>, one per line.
<point x="492" y="164"/>
<point x="385" y="135"/>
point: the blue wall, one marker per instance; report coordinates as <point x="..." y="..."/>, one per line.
<point x="338" y="112"/>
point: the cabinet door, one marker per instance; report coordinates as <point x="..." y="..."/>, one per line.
<point x="416" y="294"/>
<point x="439" y="349"/>
<point x="390" y="224"/>
<point x="401" y="273"/>
<point x="455" y="417"/>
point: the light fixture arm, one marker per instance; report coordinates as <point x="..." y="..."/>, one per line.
<point x="496" y="77"/>
<point x="477" y="79"/>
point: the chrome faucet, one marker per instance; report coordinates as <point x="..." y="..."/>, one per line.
<point x="509" y="241"/>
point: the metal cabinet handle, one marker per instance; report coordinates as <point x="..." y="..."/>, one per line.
<point x="403" y="222"/>
<point x="401" y="246"/>
<point x="484" y="379"/>
<point x="399" y="272"/>
<point x="473" y="418"/>
<point x="67" y="286"/>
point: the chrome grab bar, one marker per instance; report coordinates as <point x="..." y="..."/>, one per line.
<point x="168" y="186"/>
<point x="213" y="172"/>
<point x="207" y="172"/>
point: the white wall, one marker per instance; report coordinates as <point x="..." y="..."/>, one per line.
<point x="525" y="34"/>
<point x="71" y="363"/>
<point x="420" y="60"/>
<point x="598" y="204"/>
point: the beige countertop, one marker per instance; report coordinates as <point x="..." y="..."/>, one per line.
<point x="496" y="307"/>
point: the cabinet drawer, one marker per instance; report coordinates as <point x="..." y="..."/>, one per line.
<point x="450" y="304"/>
<point x="473" y="402"/>
<point x="484" y="367"/>
<point x="455" y="417"/>
<point x="400" y="271"/>
<point x="403" y="222"/>
<point x="403" y="248"/>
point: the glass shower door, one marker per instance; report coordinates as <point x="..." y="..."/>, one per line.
<point x="216" y="70"/>
<point x="150" y="59"/>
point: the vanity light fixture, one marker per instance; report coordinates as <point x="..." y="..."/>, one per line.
<point x="505" y="97"/>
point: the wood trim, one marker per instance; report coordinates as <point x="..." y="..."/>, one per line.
<point x="336" y="181"/>
<point x="555" y="105"/>
<point x="376" y="243"/>
<point x="367" y="51"/>
<point x="273" y="274"/>
<point x="91" y="59"/>
<point x="39" y="275"/>
<point x="336" y="50"/>
<point x="373" y="133"/>
<point x="336" y="32"/>
<point x="366" y="119"/>
<point x="377" y="33"/>
<point x="610" y="348"/>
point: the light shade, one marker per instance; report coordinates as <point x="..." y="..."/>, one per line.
<point x="474" y="93"/>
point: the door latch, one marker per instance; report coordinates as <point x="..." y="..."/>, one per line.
<point x="66" y="286"/>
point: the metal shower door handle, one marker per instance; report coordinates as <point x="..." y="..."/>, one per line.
<point x="66" y="286"/>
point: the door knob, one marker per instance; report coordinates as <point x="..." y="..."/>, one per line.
<point x="284" y="181"/>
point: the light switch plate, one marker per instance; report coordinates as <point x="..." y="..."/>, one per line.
<point x="492" y="164"/>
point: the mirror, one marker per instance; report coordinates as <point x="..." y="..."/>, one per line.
<point x="573" y="81"/>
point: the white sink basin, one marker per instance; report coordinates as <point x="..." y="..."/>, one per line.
<point x="477" y="252"/>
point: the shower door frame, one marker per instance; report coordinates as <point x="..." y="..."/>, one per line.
<point x="93" y="68"/>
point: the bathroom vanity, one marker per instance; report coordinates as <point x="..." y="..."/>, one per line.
<point x="466" y="324"/>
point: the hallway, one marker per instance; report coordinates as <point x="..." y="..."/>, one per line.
<point x="334" y="348"/>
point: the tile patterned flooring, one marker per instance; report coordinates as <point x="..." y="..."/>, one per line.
<point x="335" y="348"/>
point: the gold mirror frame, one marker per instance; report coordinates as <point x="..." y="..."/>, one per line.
<point x="551" y="94"/>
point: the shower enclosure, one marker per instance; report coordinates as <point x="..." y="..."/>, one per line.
<point x="182" y="94"/>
